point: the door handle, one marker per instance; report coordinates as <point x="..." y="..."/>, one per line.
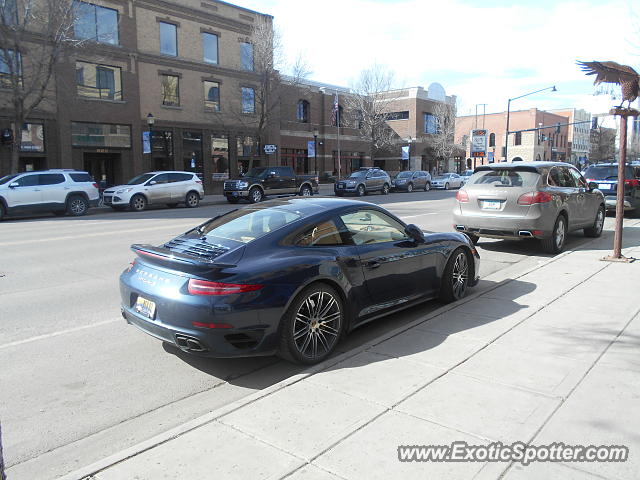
<point x="372" y="264"/>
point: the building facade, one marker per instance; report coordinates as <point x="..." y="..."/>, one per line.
<point x="579" y="135"/>
<point x="535" y="135"/>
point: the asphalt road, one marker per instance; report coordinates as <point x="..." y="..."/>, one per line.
<point x="77" y="384"/>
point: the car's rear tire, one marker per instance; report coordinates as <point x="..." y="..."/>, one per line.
<point x="138" y="203"/>
<point x="306" y="191"/>
<point x="255" y="195"/>
<point x="361" y="191"/>
<point x="410" y="188"/>
<point x="172" y="205"/>
<point x="555" y="243"/>
<point x="232" y="200"/>
<point x="598" y="224"/>
<point x="192" y="200"/>
<point x="446" y="186"/>
<point x="385" y="189"/>
<point x="77" y="206"/>
<point x="455" y="279"/>
<point x="427" y="186"/>
<point x="312" y="325"/>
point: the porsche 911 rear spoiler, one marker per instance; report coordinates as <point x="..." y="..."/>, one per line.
<point x="171" y="259"/>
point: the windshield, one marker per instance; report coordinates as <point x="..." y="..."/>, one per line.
<point x="606" y="172"/>
<point x="505" y="177"/>
<point x="246" y="225"/>
<point x="358" y="174"/>
<point x="404" y="175"/>
<point x="8" y="178"/>
<point x="256" y="172"/>
<point x="140" y="179"/>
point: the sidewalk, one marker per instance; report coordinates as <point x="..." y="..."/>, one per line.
<point x="549" y="356"/>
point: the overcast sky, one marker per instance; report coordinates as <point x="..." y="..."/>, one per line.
<point x="481" y="51"/>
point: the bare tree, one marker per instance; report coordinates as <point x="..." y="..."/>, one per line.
<point x="34" y="37"/>
<point x="369" y="105"/>
<point x="603" y="144"/>
<point x="441" y="143"/>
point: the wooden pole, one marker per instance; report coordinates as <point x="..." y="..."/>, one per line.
<point x="617" y="239"/>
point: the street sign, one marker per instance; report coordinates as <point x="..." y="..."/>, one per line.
<point x="311" y="148"/>
<point x="146" y="142"/>
<point x="270" y="149"/>
<point x="479" y="143"/>
<point x="405" y="152"/>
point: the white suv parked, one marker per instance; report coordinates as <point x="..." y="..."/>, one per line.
<point x="58" y="191"/>
<point x="154" y="188"/>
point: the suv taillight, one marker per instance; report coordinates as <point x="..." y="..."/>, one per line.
<point x="632" y="183"/>
<point x="462" y="196"/>
<point x="95" y="185"/>
<point x="532" y="198"/>
<point x="203" y="287"/>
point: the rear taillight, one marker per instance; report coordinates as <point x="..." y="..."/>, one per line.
<point x="211" y="325"/>
<point x="203" y="287"/>
<point x="95" y="185"/>
<point x="632" y="183"/>
<point x="462" y="196"/>
<point x="199" y="181"/>
<point x="533" y="198"/>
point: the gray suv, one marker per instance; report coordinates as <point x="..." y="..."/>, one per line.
<point x="544" y="200"/>
<point x="363" y="181"/>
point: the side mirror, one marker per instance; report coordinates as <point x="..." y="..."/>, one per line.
<point x="592" y="186"/>
<point x="14" y="185"/>
<point x="152" y="182"/>
<point x="414" y="233"/>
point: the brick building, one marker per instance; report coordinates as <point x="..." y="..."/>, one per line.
<point x="579" y="134"/>
<point x="550" y="143"/>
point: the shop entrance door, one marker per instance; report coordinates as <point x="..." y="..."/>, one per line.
<point x="103" y="167"/>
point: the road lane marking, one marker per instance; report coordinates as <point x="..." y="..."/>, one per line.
<point x="57" y="334"/>
<point x="421" y="215"/>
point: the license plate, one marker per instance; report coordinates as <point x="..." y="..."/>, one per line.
<point x="235" y="194"/>
<point x="145" y="307"/>
<point x="604" y="186"/>
<point x="491" y="204"/>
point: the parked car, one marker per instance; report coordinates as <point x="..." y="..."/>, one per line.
<point x="544" y="200"/>
<point x="411" y="180"/>
<point x="606" y="176"/>
<point x="447" y="181"/>
<point x="363" y="181"/>
<point x="156" y="188"/>
<point x="464" y="176"/>
<point x="58" y="191"/>
<point x="289" y="276"/>
<point x="260" y="182"/>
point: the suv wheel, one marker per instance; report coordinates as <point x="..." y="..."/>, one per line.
<point x="138" y="203"/>
<point x="361" y="191"/>
<point x="555" y="243"/>
<point x="305" y="191"/>
<point x="255" y="195"/>
<point x="596" y="229"/>
<point x="77" y="206"/>
<point x="192" y="200"/>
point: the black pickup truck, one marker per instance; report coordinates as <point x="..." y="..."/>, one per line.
<point x="260" y="182"/>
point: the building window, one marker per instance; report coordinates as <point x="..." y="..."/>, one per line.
<point x="518" y="139"/>
<point x="220" y="157"/>
<point x="212" y="96"/>
<point x="98" y="81"/>
<point x="246" y="56"/>
<point x="168" y="39"/>
<point x="302" y="112"/>
<point x="492" y="140"/>
<point x="431" y="124"/>
<point x="32" y="137"/>
<point x="100" y="135"/>
<point x="10" y="67"/>
<point x="248" y="100"/>
<point x="210" y="47"/>
<point x="93" y="22"/>
<point x="398" y="115"/>
<point x="170" y="90"/>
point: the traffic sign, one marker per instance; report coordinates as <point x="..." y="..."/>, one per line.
<point x="270" y="149"/>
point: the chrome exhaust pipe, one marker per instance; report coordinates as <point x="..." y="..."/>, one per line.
<point x="525" y="233"/>
<point x="189" y="344"/>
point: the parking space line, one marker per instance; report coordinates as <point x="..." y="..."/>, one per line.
<point x="56" y="334"/>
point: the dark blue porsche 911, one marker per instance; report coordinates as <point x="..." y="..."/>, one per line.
<point x="289" y="277"/>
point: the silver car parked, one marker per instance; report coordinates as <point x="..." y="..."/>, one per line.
<point x="447" y="181"/>
<point x="544" y="200"/>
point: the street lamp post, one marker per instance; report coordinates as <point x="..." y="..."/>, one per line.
<point x="506" y="136"/>
<point x="150" y="122"/>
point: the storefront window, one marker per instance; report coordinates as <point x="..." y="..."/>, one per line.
<point x="297" y="159"/>
<point x="162" y="149"/>
<point x="246" y="150"/>
<point x="100" y="135"/>
<point x="32" y="137"/>
<point x="192" y="153"/>
<point x="220" y="157"/>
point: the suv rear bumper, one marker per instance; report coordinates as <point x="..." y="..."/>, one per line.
<point x="629" y="202"/>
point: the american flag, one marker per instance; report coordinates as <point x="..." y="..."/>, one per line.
<point x="334" y="112"/>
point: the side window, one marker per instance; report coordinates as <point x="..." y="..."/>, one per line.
<point x="51" y="178"/>
<point x="554" y="179"/>
<point x="179" y="177"/>
<point x="81" y="177"/>
<point x="368" y="226"/>
<point x="579" y="179"/>
<point x="324" y="234"/>
<point x="567" y="178"/>
<point x="162" y="178"/>
<point x="28" y="181"/>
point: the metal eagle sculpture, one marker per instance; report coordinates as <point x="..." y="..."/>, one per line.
<point x="612" y="72"/>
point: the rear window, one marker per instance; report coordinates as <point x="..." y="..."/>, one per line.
<point x="606" y="172"/>
<point x="504" y="177"/>
<point x="81" y="177"/>
<point x="180" y="177"/>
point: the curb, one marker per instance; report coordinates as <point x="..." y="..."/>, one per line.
<point x="500" y="278"/>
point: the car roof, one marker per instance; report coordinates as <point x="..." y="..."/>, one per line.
<point x="528" y="166"/>
<point x="309" y="206"/>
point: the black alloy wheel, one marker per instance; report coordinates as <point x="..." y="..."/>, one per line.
<point x="312" y="326"/>
<point x="77" y="206"/>
<point x="455" y="278"/>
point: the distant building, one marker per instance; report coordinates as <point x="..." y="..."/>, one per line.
<point x="579" y="134"/>
<point x="535" y="135"/>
